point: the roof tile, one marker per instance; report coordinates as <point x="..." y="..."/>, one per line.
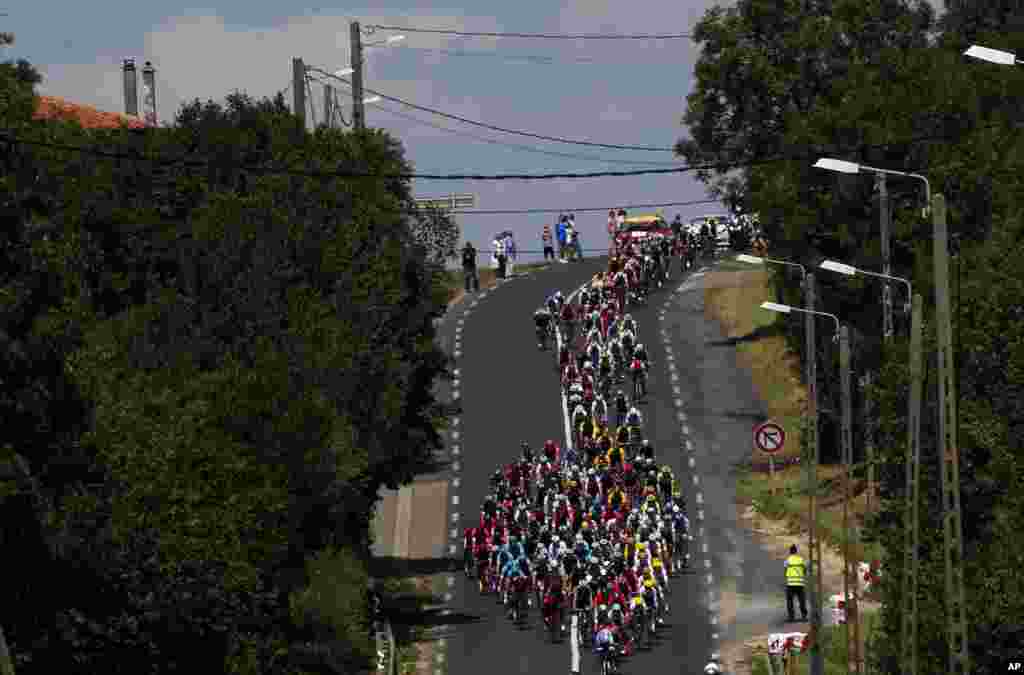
<point x="56" y="108"/>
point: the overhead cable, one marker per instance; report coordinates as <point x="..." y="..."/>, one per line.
<point x="517" y="146"/>
<point x="546" y="36"/>
<point x="585" y="209"/>
<point x="266" y="169"/>
<point x="484" y="125"/>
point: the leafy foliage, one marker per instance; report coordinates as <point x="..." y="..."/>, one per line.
<point x="208" y="375"/>
<point x="883" y="84"/>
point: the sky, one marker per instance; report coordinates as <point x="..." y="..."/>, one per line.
<point x="620" y="92"/>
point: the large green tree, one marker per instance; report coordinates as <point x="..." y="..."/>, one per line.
<point x="217" y="352"/>
<point x="898" y="94"/>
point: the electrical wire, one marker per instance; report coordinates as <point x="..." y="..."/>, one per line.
<point x="492" y="127"/>
<point x="530" y="58"/>
<point x="586" y="209"/>
<point x="264" y="169"/>
<point x="517" y="146"/>
<point x="548" y="36"/>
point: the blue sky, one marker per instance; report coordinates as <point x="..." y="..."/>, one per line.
<point x="620" y="92"/>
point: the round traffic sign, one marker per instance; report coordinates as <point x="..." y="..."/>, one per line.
<point x="769" y="437"/>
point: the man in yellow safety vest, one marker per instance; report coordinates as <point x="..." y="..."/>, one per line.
<point x="796" y="572"/>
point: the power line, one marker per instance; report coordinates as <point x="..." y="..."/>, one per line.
<point x="492" y="127"/>
<point x="586" y="209"/>
<point x="285" y="170"/>
<point x="548" y="36"/>
<point x="517" y="146"/>
<point x="531" y="58"/>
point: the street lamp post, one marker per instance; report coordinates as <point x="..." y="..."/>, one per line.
<point x="992" y="55"/>
<point x="813" y="458"/>
<point x="850" y="270"/>
<point x="811" y="469"/>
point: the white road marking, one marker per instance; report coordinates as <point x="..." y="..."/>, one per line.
<point x="673" y="376"/>
<point x="451" y="550"/>
<point x="676" y="390"/>
<point x="700" y="497"/>
<point x="456" y="450"/>
<point x="456" y="372"/>
<point x="456" y="467"/>
<point x="692" y="462"/>
<point x="455" y="500"/>
<point x="457" y="354"/>
<point x="455" y="517"/>
<point x="451" y="581"/>
<point x="681" y="416"/>
<point x="447" y="598"/>
<point x="696" y="479"/>
<point x="453" y="533"/>
<point x="455" y="435"/>
<point x="455" y="382"/>
<point x="686" y="430"/>
<point x="704" y="547"/>
<point x="456" y="481"/>
<point x="689" y="445"/>
<point x="700" y="514"/>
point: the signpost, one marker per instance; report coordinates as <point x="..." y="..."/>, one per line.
<point x="770" y="438"/>
<point x="449" y="203"/>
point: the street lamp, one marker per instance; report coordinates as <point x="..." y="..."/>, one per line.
<point x="850" y="270"/>
<point x="391" y="40"/>
<point x="843" y="166"/>
<point x="842" y="335"/>
<point x="756" y="260"/>
<point x="991" y="55"/>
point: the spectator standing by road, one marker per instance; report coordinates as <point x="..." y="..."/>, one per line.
<point x="570" y="241"/>
<point x="499" y="256"/>
<point x="510" y="254"/>
<point x="547" y="239"/>
<point x="560" y="230"/>
<point x="469" y="268"/>
<point x="613" y="228"/>
<point x="620" y="219"/>
<point x="796" y="572"/>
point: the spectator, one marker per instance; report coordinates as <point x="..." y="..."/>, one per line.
<point x="547" y="240"/>
<point x="620" y="219"/>
<point x="469" y="268"/>
<point x="613" y="227"/>
<point x="499" y="254"/>
<point x="560" y="229"/>
<point x="510" y="255"/>
<point x="572" y="241"/>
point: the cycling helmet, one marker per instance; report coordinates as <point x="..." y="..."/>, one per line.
<point x="646" y="443"/>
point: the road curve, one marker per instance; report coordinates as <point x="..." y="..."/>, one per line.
<point x="509" y="393"/>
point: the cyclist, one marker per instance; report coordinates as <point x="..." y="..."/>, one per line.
<point x="638" y="370"/>
<point x="665" y="480"/>
<point x="568" y="317"/>
<point x="640" y="352"/>
<point x="634" y="418"/>
<point x="542" y="320"/>
<point x="628" y="324"/>
<point x="621" y="408"/>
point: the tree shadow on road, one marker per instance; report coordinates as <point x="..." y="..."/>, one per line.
<point x="390" y="566"/>
<point x="758" y="333"/>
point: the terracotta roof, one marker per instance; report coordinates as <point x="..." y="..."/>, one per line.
<point x="54" y="107"/>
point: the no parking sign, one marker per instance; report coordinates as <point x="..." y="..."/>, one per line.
<point x="769" y="437"/>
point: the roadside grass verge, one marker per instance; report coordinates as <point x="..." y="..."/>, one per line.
<point x="834" y="642"/>
<point x="454" y="280"/>
<point x="734" y="302"/>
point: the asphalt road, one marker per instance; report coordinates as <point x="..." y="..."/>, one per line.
<point x="509" y="393"/>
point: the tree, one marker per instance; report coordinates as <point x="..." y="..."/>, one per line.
<point x="251" y="355"/>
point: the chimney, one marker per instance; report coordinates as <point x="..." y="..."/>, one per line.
<point x="131" y="95"/>
<point x="149" y="94"/>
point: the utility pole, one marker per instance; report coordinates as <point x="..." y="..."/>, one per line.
<point x="328" y="110"/>
<point x="869" y="440"/>
<point x="883" y="215"/>
<point x="356" y="47"/>
<point x="846" y="443"/>
<point x="299" y="90"/>
<point x="908" y="636"/>
<point x="811" y="463"/>
<point x="952" y="528"/>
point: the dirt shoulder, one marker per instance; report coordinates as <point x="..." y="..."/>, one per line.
<point x="732" y="298"/>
